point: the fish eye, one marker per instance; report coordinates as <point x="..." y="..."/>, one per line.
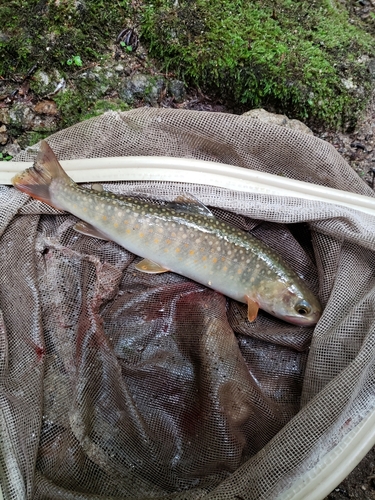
<point x="303" y="308"/>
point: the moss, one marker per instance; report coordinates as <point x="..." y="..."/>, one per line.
<point x="103" y="105"/>
<point x="31" y="138"/>
<point x="77" y="105"/>
<point x="51" y="33"/>
<point x="303" y="58"/>
<point x="292" y="55"/>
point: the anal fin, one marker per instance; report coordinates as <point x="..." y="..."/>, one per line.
<point x="150" y="267"/>
<point x="252" y="308"/>
<point x="89" y="230"/>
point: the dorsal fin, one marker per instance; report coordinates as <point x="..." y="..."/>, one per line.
<point x="190" y="204"/>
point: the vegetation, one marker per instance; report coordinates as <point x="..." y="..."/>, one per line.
<point x="79" y="105"/>
<point x="303" y="57"/>
<point x="60" y="34"/>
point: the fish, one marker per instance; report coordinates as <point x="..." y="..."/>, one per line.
<point x="183" y="237"/>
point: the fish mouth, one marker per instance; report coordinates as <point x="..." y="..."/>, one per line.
<point x="303" y="321"/>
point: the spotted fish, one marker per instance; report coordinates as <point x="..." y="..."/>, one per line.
<point x="183" y="237"/>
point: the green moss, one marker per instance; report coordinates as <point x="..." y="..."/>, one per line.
<point x="294" y="55"/>
<point x="303" y="58"/>
<point x="52" y="33"/>
<point x="77" y="105"/>
<point x="103" y="105"/>
<point x="31" y="138"/>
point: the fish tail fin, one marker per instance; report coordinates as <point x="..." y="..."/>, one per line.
<point x="36" y="180"/>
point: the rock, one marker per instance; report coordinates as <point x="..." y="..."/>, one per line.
<point x="46" y="107"/>
<point x="276" y="119"/>
<point x="3" y="138"/>
<point x="348" y="83"/>
<point x="4" y="37"/>
<point x="80" y="6"/>
<point x="3" y="135"/>
<point x="22" y="116"/>
<point x="42" y="77"/>
<point x="119" y="68"/>
<point x="371" y="67"/>
<point x="44" y="123"/>
<point x="143" y="87"/>
<point x="12" y="149"/>
<point x="4" y="115"/>
<point x="98" y="81"/>
<point x="300" y="126"/>
<point x="176" y="89"/>
<point x="43" y="83"/>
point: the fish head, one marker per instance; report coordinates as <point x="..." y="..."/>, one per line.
<point x="290" y="301"/>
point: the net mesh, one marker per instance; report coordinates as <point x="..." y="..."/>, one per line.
<point x="118" y="384"/>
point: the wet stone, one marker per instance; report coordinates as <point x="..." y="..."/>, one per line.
<point x="147" y="88"/>
<point x="176" y="89"/>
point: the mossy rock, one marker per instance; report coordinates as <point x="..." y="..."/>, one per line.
<point x="59" y="34"/>
<point x="304" y="58"/>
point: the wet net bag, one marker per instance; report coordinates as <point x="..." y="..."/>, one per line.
<point x="121" y="385"/>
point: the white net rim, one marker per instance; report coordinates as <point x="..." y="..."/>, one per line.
<point x="188" y="170"/>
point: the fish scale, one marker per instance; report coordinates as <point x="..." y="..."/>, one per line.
<point x="183" y="237"/>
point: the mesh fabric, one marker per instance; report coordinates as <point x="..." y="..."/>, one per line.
<point x="117" y="384"/>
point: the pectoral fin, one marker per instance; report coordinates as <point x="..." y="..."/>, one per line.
<point x="150" y="267"/>
<point x="252" y="309"/>
<point x="89" y="230"/>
